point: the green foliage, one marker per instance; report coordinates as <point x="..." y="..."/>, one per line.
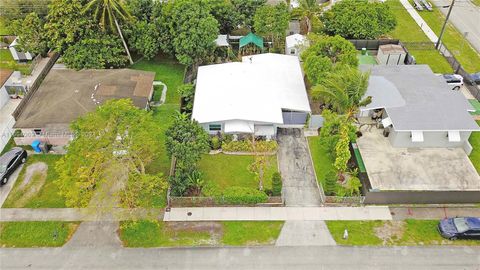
<point x="66" y="24"/>
<point x="144" y="38"/>
<point x="143" y="10"/>
<point x="187" y="92"/>
<point x="225" y="13"/>
<point x="247" y="233"/>
<point x="331" y="179"/>
<point x="105" y="141"/>
<point x="325" y="54"/>
<point x="107" y="12"/>
<point x="276" y="184"/>
<point x="342" y="150"/>
<point x="18" y="9"/>
<point x="247" y="9"/>
<point x="356" y="19"/>
<point x="352" y="186"/>
<point x="189" y="30"/>
<point x="97" y="51"/>
<point x="141" y="189"/>
<point x="246" y="146"/>
<point x="216" y="143"/>
<point x="330" y="132"/>
<point x="243" y="195"/>
<point x="272" y="21"/>
<point x="343" y="89"/>
<point x="31" y="34"/>
<point x="185" y="140"/>
<point x="36" y="233"/>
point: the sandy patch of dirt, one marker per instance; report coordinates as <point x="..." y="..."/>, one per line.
<point x="390" y="231"/>
<point x="35" y="168"/>
<point x="215" y="229"/>
<point x="33" y="180"/>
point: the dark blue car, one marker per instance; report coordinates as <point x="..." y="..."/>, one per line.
<point x="463" y="227"/>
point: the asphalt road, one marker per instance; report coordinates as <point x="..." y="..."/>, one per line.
<point x="466" y="18"/>
<point x="336" y="257"/>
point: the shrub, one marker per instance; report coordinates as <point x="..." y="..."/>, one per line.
<point x="276" y="184"/>
<point x="331" y="179"/>
<point x="246" y="146"/>
<point x="244" y="195"/>
<point x="215" y="143"/>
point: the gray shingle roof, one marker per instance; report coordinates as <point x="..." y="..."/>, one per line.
<point x="417" y="99"/>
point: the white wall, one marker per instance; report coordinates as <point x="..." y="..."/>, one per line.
<point x="430" y="139"/>
<point x="4" y="97"/>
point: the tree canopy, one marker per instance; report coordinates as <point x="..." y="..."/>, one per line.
<point x="272" y="21"/>
<point x="116" y="136"/>
<point x="359" y="19"/>
<point x="30" y="34"/>
<point x="247" y="9"/>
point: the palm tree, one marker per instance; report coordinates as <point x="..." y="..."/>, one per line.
<point x="309" y="10"/>
<point x="344" y="90"/>
<point x="106" y="12"/>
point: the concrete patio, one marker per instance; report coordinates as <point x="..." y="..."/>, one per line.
<point x="432" y="169"/>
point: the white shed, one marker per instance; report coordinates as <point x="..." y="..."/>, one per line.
<point x="391" y="54"/>
<point x="294" y="44"/>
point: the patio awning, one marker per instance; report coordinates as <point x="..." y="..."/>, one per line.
<point x="239" y="127"/>
<point x="417" y="136"/>
<point x="454" y="136"/>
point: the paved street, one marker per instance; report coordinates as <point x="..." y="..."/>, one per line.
<point x="329" y="257"/>
<point x="465" y="17"/>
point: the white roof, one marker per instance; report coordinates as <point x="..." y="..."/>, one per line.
<point x="222" y="41"/>
<point x="255" y="90"/>
<point x="296" y="40"/>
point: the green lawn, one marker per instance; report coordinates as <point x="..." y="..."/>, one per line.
<point x="322" y="162"/>
<point x="157" y="93"/>
<point x="232" y="170"/>
<point x="36" y="233"/>
<point x="47" y="196"/>
<point x="3" y="28"/>
<point x="161" y="234"/>
<point x="7" y="62"/>
<point x="469" y="58"/>
<point x="394" y="233"/>
<point x="407" y="31"/>
<point x="475" y="155"/>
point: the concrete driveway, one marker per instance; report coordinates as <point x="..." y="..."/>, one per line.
<point x="299" y="184"/>
<point x="5" y="190"/>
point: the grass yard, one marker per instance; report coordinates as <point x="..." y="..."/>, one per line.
<point x="322" y="162"/>
<point x="408" y="31"/>
<point x="3" y="28"/>
<point x="36" y="233"/>
<point x="39" y="192"/>
<point x="232" y="170"/>
<point x="391" y="233"/>
<point x="469" y="58"/>
<point x="475" y="155"/>
<point x="7" y="62"/>
<point x="233" y="233"/>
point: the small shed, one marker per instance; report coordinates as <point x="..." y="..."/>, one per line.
<point x="294" y="44"/>
<point x="391" y="55"/>
<point x="222" y="41"/>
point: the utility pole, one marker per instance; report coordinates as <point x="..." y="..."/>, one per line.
<point x="444" y="25"/>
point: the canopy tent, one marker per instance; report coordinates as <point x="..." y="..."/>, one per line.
<point x="251" y="38"/>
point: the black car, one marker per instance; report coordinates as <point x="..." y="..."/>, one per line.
<point x="10" y="161"/>
<point x="460" y="227"/>
<point x="475" y="78"/>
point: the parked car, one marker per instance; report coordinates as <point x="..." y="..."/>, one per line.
<point x="454" y="80"/>
<point x="475" y="78"/>
<point x="460" y="227"/>
<point x="10" y="161"/>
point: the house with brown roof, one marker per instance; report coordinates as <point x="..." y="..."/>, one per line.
<point x="66" y="95"/>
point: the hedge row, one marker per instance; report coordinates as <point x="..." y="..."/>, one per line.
<point x="243" y="195"/>
<point x="246" y="146"/>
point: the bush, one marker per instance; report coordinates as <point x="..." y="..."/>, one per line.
<point x="331" y="179"/>
<point x="215" y="143"/>
<point x="246" y="146"/>
<point x="244" y="195"/>
<point x="276" y="184"/>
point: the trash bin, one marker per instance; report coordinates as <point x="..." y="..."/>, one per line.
<point x="44" y="147"/>
<point x="364" y="51"/>
<point x="36" y="146"/>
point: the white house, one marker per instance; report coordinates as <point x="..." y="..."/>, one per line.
<point x="295" y="44"/>
<point x="418" y="108"/>
<point x="254" y="96"/>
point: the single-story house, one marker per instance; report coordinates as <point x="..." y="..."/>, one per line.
<point x="414" y="143"/>
<point x="295" y="44"/>
<point x="17" y="54"/>
<point x="65" y="95"/>
<point x="9" y="84"/>
<point x="255" y="96"/>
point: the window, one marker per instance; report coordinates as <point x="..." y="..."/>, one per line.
<point x="215" y="127"/>
<point x="293" y="51"/>
<point x="37" y="131"/>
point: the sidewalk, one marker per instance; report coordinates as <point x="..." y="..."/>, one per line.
<point x="401" y="213"/>
<point x="420" y="21"/>
<point x="278" y="213"/>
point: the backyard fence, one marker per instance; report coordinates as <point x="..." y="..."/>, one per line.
<point x="344" y="200"/>
<point x="35" y="85"/>
<point x="372" y="45"/>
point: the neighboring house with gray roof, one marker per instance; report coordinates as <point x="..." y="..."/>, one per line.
<point x="417" y="108"/>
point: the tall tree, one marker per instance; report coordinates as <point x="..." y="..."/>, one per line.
<point x="344" y="90"/>
<point x="309" y="11"/>
<point x="359" y="19"/>
<point x="247" y="9"/>
<point x="12" y="10"/>
<point x="116" y="135"/>
<point x="107" y="12"/>
<point x="272" y="22"/>
<point x="144" y="38"/>
<point x="225" y="13"/>
<point x="31" y="34"/>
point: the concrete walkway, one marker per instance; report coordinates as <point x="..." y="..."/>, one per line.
<point x="305" y="233"/>
<point x="278" y="213"/>
<point x="401" y="213"/>
<point x="420" y="21"/>
<point x="300" y="187"/>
